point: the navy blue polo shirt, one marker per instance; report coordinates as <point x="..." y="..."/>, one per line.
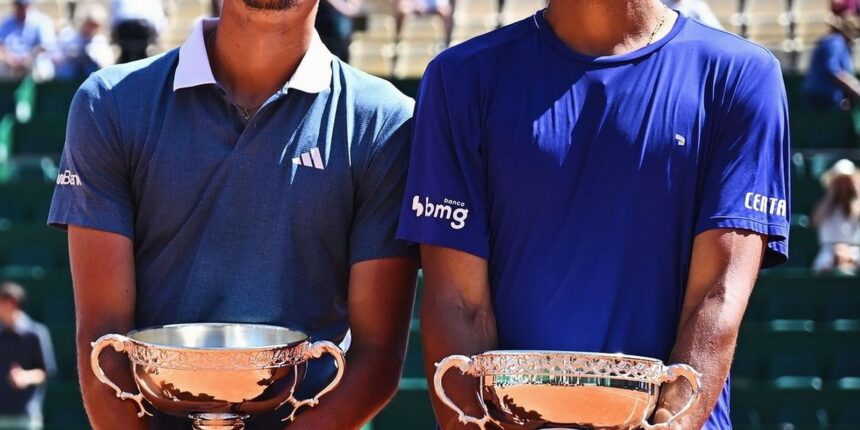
<point x="240" y="221"/>
<point x="584" y="180"/>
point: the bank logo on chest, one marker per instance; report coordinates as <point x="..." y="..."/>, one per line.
<point x="311" y="158"/>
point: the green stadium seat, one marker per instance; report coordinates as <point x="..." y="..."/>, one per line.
<point x="745" y="417"/>
<point x="794" y="371"/>
<point x="54" y="97"/>
<point x="845" y="372"/>
<point x="64" y="408"/>
<point x="843" y="313"/>
<point x="414" y="366"/>
<point x="790" y="313"/>
<point x="848" y="419"/>
<point x="803" y="246"/>
<point x="746" y="369"/>
<point x="792" y="418"/>
<point x="410" y="408"/>
<point x="42" y="135"/>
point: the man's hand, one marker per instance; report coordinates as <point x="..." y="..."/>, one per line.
<point x="723" y="270"/>
<point x="381" y="295"/>
<point x="104" y="281"/>
<point x="22" y="379"/>
<point x="456" y="318"/>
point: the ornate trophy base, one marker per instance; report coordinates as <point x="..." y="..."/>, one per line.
<point x="218" y="421"/>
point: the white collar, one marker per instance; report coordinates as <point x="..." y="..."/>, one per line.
<point x="312" y="76"/>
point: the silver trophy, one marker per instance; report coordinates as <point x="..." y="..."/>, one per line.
<point x="217" y="375"/>
<point x="541" y="389"/>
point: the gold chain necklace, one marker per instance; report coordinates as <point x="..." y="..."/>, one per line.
<point x="659" y="25"/>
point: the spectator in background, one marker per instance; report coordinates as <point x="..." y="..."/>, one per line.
<point x="83" y="50"/>
<point x="845" y="7"/>
<point x="837" y="218"/>
<point x="830" y="82"/>
<point x="334" y="24"/>
<point x="424" y="7"/>
<point x="216" y="7"/>
<point x="24" y="37"/>
<point x="135" y="25"/>
<point x="696" y="9"/>
<point x="26" y="360"/>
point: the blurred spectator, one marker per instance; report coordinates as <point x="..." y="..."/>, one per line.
<point x="216" y="7"/>
<point x="837" y="218"/>
<point x="26" y="360"/>
<point x="83" y="50"/>
<point x="24" y="37"/>
<point x="136" y="24"/>
<point x="424" y="7"/>
<point x="334" y="24"/>
<point x="696" y="9"/>
<point x="830" y="81"/>
<point x="845" y="7"/>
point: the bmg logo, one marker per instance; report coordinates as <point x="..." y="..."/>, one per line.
<point x="449" y="210"/>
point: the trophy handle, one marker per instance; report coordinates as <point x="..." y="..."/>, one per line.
<point x="119" y="344"/>
<point x="316" y="351"/>
<point x="674" y="372"/>
<point x="464" y="364"/>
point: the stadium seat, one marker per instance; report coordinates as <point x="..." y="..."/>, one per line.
<point x="803" y="246"/>
<point x="745" y="418"/>
<point x="790" y="314"/>
<point x="848" y="419"/>
<point x="515" y="10"/>
<point x="380" y="28"/>
<point x="766" y="21"/>
<point x="728" y="12"/>
<point x="845" y="372"/>
<point x="413" y="57"/>
<point x="468" y="27"/>
<point x="482" y="9"/>
<point x="423" y="28"/>
<point x="792" y="418"/>
<point x="746" y="369"/>
<point x="410" y="406"/>
<point x="414" y="366"/>
<point x="843" y="314"/>
<point x="809" y="11"/>
<point x="794" y="371"/>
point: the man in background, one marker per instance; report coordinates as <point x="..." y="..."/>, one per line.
<point x="136" y="24"/>
<point x="26" y="362"/>
<point x="24" y="36"/>
<point x="83" y="50"/>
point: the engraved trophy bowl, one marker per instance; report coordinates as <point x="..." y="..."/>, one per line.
<point x="217" y="374"/>
<point x="573" y="390"/>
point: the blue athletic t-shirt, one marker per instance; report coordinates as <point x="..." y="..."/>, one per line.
<point x="583" y="181"/>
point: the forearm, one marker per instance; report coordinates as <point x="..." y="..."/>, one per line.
<point x="706" y="341"/>
<point x="369" y="382"/>
<point x="848" y="83"/>
<point x="449" y="329"/>
<point x="35" y="377"/>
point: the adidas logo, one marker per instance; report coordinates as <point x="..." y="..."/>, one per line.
<point x="310" y="159"/>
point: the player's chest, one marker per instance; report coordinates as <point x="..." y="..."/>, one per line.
<point x="637" y="128"/>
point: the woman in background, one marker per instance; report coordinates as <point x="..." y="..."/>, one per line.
<point x="837" y="218"/>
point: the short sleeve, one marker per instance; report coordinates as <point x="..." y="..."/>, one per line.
<point x="445" y="203"/>
<point x="746" y="184"/>
<point x="379" y="191"/>
<point x="93" y="187"/>
<point x="47" y="37"/>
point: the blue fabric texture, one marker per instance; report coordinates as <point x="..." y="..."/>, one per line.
<point x="255" y="222"/>
<point x="584" y="180"/>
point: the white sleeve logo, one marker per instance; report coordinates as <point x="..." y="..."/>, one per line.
<point x="764" y="204"/>
<point x="68" y="178"/>
<point x="444" y="211"/>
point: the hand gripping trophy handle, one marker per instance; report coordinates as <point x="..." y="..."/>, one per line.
<point x="316" y="351"/>
<point x="119" y="344"/>
<point x="464" y="364"/>
<point x="674" y="372"/>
